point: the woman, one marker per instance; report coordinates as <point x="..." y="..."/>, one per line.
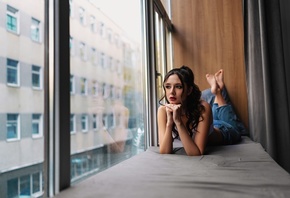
<point x="188" y="120"/>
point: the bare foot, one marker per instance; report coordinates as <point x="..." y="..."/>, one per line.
<point x="212" y="82"/>
<point x="219" y="77"/>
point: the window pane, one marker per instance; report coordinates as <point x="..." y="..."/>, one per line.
<point x="108" y="98"/>
<point x="22" y="99"/>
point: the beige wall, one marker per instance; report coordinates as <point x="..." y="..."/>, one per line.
<point x="208" y="35"/>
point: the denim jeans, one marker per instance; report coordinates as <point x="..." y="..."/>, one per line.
<point x="224" y="118"/>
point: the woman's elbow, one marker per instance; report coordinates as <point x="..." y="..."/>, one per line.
<point x="164" y="151"/>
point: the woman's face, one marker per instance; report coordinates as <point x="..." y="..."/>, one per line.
<point x="174" y="90"/>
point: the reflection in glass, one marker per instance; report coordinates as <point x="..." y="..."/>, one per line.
<point x="107" y="104"/>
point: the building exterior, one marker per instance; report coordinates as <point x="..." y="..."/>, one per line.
<point x="104" y="65"/>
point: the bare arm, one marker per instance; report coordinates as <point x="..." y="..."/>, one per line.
<point x="165" y="124"/>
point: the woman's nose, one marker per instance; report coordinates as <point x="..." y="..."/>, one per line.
<point x="172" y="90"/>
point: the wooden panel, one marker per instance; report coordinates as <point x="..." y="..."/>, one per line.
<point x="208" y="35"/>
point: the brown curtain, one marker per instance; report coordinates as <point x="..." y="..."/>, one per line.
<point x="267" y="58"/>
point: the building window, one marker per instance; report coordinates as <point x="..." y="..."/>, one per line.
<point x="84" y="86"/>
<point x="71" y="8"/>
<point x="12" y="126"/>
<point x="106" y="90"/>
<point x="83" y="51"/>
<point x="93" y="23"/>
<point x="36" y="77"/>
<point x="72" y="123"/>
<point x="12" y="17"/>
<point x="102" y="59"/>
<point x="25" y="186"/>
<point x="94" y="56"/>
<point x="71" y="45"/>
<point x="82" y="15"/>
<point x="112" y="91"/>
<point x="12" y="72"/>
<point x="36" y="125"/>
<point x="35" y="30"/>
<point x="72" y="84"/>
<point x="84" y="123"/>
<point x="102" y="29"/>
<point x="111" y="122"/>
<point x="95" y="121"/>
<point x="36" y="184"/>
<point x="95" y="88"/>
<point x="110" y="35"/>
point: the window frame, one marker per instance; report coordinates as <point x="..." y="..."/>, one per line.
<point x="17" y="73"/>
<point x="37" y="32"/>
<point x="39" y="122"/>
<point x="40" y="76"/>
<point x="14" y="15"/>
<point x="13" y="122"/>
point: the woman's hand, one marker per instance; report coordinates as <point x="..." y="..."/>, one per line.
<point x="173" y="112"/>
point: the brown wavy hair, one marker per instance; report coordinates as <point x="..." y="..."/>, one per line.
<point x="192" y="104"/>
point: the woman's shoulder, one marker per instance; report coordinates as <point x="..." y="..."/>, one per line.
<point x="206" y="105"/>
<point x="161" y="109"/>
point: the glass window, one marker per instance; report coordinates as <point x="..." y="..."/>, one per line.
<point x="36" y="183"/>
<point x="82" y="16"/>
<point x="83" y="51"/>
<point x="84" y="86"/>
<point x="71" y="8"/>
<point x="12" y="187"/>
<point x="71" y="46"/>
<point x="95" y="121"/>
<point x="37" y="125"/>
<point x="12" y="126"/>
<point x="72" y="123"/>
<point x="72" y="84"/>
<point x="93" y="23"/>
<point x="111" y="96"/>
<point x="12" y="18"/>
<point x="93" y="55"/>
<point x="95" y="88"/>
<point x="12" y="72"/>
<point x="84" y="123"/>
<point x="35" y="30"/>
<point x="36" y="77"/>
<point x="25" y="189"/>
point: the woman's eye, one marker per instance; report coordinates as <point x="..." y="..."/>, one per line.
<point x="167" y="87"/>
<point x="178" y="86"/>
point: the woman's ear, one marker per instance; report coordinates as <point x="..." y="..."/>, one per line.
<point x="189" y="91"/>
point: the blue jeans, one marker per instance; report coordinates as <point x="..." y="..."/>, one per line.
<point x="224" y="118"/>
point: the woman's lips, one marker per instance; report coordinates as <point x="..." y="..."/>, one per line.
<point x="172" y="98"/>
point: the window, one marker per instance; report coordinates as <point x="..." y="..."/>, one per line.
<point x="102" y="29"/>
<point x="12" y="20"/>
<point x="93" y="23"/>
<point x="12" y="127"/>
<point x="106" y="90"/>
<point x="72" y="84"/>
<point x="35" y="30"/>
<point x="25" y="186"/>
<point x="71" y="45"/>
<point x="36" y="77"/>
<point x="12" y="72"/>
<point x="84" y="123"/>
<point x="102" y="59"/>
<point x="95" y="121"/>
<point x="83" y="51"/>
<point x="84" y="86"/>
<point x="72" y="123"/>
<point x="94" y="55"/>
<point x="37" y="125"/>
<point x="95" y="88"/>
<point x="82" y="15"/>
<point x="71" y="8"/>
